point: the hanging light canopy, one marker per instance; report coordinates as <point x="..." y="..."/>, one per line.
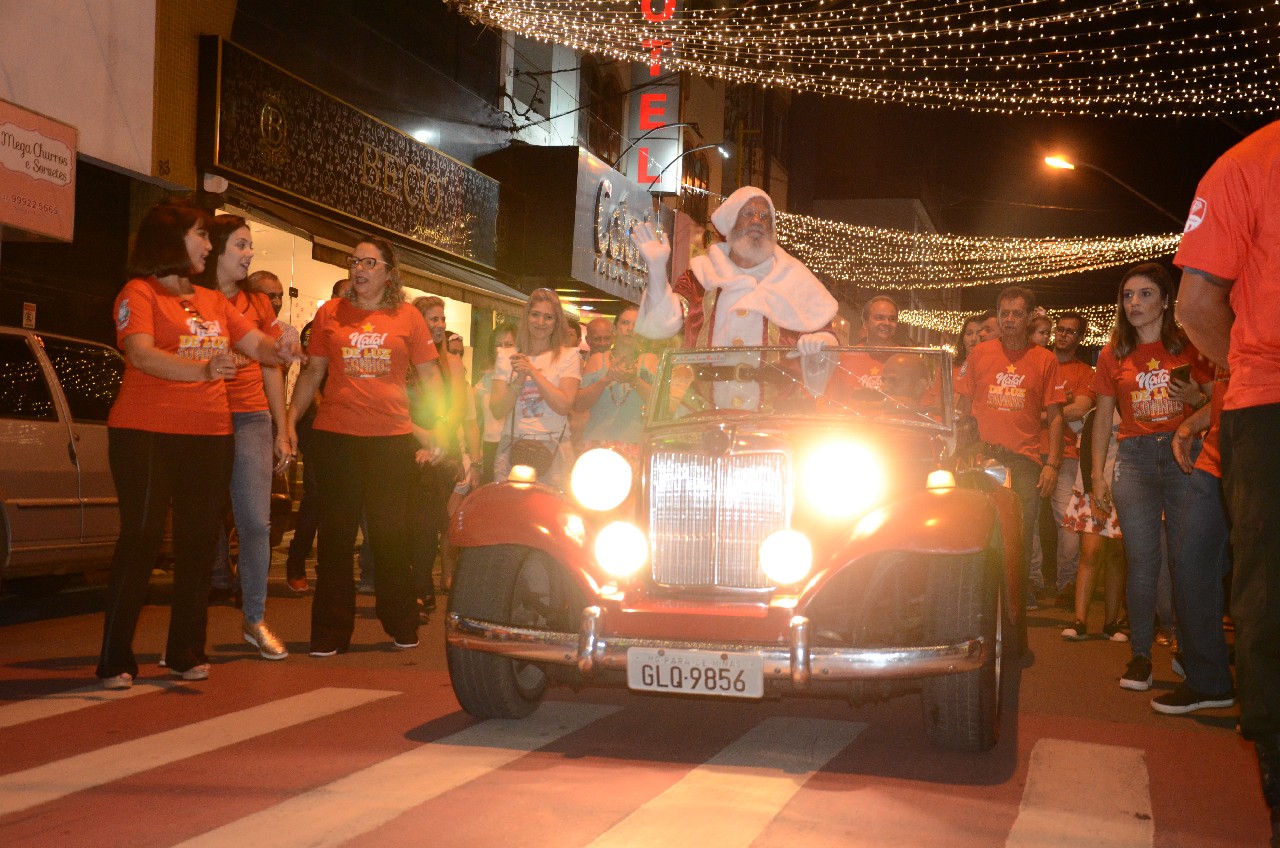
<point x="1171" y="58"/>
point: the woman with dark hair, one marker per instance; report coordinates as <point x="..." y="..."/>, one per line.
<point x="363" y="443"/>
<point x="169" y="434"/>
<point x="966" y="340"/>
<point x="503" y="339"/>
<point x="536" y="386"/>
<point x="256" y="398"/>
<point x="1134" y="376"/>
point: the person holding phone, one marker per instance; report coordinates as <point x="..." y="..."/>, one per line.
<point x="536" y="386"/>
<point x="616" y="387"/>
<point x="1134" y="376"/>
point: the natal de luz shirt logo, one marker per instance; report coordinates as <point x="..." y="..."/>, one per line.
<point x="1151" y="400"/>
<point x="202" y="339"/>
<point x="366" y="355"/>
<point x="1008" y="392"/>
<point x="873" y="379"/>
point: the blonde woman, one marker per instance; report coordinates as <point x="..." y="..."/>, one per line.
<point x="534" y="388"/>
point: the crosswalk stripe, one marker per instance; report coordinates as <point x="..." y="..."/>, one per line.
<point x="58" y="703"/>
<point x="730" y="799"/>
<point x="24" y="789"/>
<point x="1082" y="794"/>
<point x="358" y="803"/>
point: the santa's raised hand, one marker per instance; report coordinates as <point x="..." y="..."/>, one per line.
<point x="654" y="249"/>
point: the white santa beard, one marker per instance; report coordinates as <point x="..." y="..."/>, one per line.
<point x="748" y="251"/>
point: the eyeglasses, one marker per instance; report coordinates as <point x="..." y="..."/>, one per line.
<point x="193" y="312"/>
<point x="368" y="263"/>
<point x="1067" y="331"/>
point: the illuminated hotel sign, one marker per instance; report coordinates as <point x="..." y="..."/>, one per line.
<point x="269" y="130"/>
<point x="655" y="105"/>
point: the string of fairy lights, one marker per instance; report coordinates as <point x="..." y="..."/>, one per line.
<point x="898" y="260"/>
<point x="949" y="321"/>
<point x="1173" y="58"/>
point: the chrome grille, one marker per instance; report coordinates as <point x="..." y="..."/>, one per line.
<point x="709" y="514"/>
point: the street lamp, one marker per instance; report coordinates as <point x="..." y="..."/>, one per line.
<point x="645" y="135"/>
<point x="719" y="145"/>
<point x="1064" y="164"/>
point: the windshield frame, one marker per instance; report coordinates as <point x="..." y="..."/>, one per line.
<point x="656" y="416"/>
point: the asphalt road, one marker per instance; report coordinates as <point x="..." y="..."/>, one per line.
<point x="369" y="748"/>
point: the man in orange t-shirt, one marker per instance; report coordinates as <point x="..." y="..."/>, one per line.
<point x="1078" y="398"/>
<point x="1007" y="384"/>
<point x="1229" y="304"/>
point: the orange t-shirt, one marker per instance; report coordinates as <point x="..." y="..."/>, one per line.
<point x="860" y="370"/>
<point x="1140" y="385"/>
<point x="1077" y="380"/>
<point x="1008" y="390"/>
<point x="369" y="353"/>
<point x="205" y="325"/>
<point x="1232" y="232"/>
<point x="244" y="391"/>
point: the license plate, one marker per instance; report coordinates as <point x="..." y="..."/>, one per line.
<point x="695" y="672"/>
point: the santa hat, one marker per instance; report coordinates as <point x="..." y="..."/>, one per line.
<point x="727" y="215"/>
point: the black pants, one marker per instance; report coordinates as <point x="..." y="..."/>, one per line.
<point x="1251" y="486"/>
<point x="307" y="521"/>
<point x="153" y="472"/>
<point x="369" y="475"/>
<point x="428" y="520"/>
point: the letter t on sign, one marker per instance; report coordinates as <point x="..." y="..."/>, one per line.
<point x="654" y="46"/>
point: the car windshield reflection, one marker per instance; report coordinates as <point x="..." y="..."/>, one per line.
<point x="903" y="385"/>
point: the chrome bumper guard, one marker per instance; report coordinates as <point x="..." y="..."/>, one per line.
<point x="799" y="661"/>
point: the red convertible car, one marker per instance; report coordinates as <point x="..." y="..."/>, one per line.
<point x="816" y="525"/>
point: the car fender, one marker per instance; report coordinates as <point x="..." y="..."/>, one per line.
<point x="529" y="515"/>
<point x="943" y="522"/>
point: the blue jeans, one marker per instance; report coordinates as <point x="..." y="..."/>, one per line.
<point x="251" y="505"/>
<point x="1147" y="487"/>
<point x="1202" y="563"/>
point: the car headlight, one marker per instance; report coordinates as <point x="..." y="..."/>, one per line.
<point x="786" y="556"/>
<point x="601" y="479"/>
<point x="622" y="549"/>
<point x="843" y="479"/>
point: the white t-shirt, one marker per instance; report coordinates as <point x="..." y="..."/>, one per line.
<point x="533" y="416"/>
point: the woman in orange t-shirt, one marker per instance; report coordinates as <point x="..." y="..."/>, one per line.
<point x="363" y="444"/>
<point x="256" y="398"/>
<point x="1134" y="376"/>
<point x="169" y="435"/>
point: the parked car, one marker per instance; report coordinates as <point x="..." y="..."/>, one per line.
<point x="788" y="529"/>
<point x="59" y="510"/>
<point x="59" y="503"/>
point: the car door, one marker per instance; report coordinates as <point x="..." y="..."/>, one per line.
<point x="38" y="479"/>
<point x="90" y="376"/>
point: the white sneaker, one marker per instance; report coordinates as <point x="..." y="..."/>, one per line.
<point x="123" y="680"/>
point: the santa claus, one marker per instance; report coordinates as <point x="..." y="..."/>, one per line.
<point x="745" y="291"/>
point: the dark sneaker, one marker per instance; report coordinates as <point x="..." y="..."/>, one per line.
<point x="365" y="587"/>
<point x="1076" y="632"/>
<point x="1177" y="665"/>
<point x="1117" y="631"/>
<point x="1032" y="602"/>
<point x="1184" y="700"/>
<point x="1138" y="675"/>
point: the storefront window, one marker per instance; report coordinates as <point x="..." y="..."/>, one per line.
<point x="604" y="105"/>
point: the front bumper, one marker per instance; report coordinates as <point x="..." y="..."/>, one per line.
<point x="797" y="661"/>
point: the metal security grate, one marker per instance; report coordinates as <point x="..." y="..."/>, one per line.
<point x="709" y="514"/>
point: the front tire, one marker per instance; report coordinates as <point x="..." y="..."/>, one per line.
<point x="507" y="584"/>
<point x="964" y="599"/>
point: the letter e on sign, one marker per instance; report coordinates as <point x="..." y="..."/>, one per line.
<point x="653" y="111"/>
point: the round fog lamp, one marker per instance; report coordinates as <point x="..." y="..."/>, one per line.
<point x="601" y="479"/>
<point x="621" y="549"/>
<point x="786" y="556"/>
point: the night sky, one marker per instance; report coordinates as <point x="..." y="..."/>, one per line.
<point x="984" y="174"/>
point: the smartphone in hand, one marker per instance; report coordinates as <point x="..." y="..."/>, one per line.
<point x="1181" y="373"/>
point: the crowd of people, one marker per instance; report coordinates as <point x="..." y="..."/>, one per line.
<point x="1157" y="450"/>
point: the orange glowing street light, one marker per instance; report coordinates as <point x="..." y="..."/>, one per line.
<point x="1065" y="164"/>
